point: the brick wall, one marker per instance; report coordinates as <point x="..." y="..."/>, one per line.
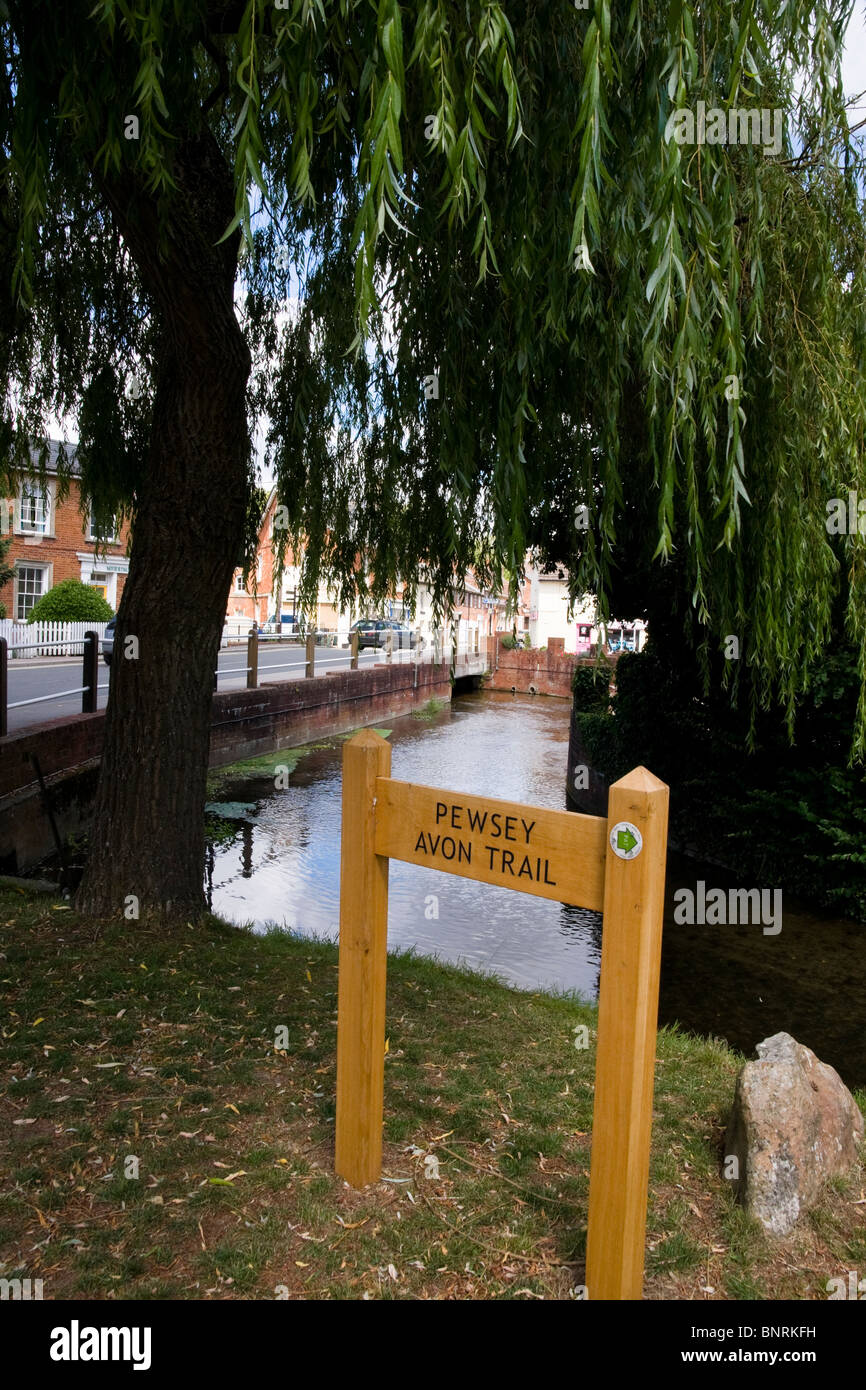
<point x="60" y="550"/>
<point x="258" y="601"/>
<point x="550" y="671"/>
<point x="246" y="723"/>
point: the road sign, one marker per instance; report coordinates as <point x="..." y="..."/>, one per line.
<point x="614" y="864"/>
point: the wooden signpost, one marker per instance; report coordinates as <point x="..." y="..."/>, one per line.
<point x="615" y="866"/>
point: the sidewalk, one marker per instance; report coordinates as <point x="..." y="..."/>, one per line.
<point x="36" y="663"/>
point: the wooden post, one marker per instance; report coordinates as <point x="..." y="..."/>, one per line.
<point x="310" y="668"/>
<point x="353" y="664"/>
<point x="4" y="688"/>
<point x="363" y="946"/>
<point x="90" y="677"/>
<point x="389" y="644"/>
<point x="252" y="660"/>
<point x="627" y="1023"/>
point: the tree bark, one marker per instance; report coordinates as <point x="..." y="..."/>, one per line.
<point x="147" y="838"/>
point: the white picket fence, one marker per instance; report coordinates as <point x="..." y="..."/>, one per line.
<point x="46" y="639"/>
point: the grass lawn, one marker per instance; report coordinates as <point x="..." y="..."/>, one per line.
<point x="120" y="1044"/>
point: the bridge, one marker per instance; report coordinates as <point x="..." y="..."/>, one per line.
<point x="261" y="717"/>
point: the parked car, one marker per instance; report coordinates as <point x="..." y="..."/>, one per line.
<point x="370" y="631"/>
<point x="373" y="632"/>
<point x="404" y="635"/>
<point x="107" y="646"/>
<point x="284" y="621"/>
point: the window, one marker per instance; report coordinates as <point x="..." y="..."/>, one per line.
<point x="31" y="584"/>
<point x="108" y="532"/>
<point x="239" y="584"/>
<point x="34" y="509"/>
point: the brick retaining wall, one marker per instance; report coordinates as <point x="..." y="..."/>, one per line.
<point x="549" y="671"/>
<point x="246" y="723"/>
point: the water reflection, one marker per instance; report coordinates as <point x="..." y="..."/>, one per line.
<point x="284" y="866"/>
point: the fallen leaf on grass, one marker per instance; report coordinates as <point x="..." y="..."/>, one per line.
<point x="351" y="1225"/>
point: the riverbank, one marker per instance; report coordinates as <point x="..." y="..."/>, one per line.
<point x="122" y="1044"/>
<point x="276" y="857"/>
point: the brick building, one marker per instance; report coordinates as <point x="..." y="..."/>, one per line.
<point x="256" y="602"/>
<point x="54" y="540"/>
<point x="479" y="610"/>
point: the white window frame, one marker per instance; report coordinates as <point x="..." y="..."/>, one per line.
<point x="20" y="567"/>
<point x="102" y="540"/>
<point x="36" y="492"/>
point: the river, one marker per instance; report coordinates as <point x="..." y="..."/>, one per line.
<point x="282" y="866"/>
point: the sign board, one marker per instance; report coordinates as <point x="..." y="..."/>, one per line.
<point x="551" y="854"/>
<point x="615" y="865"/>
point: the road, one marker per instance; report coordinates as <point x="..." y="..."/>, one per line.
<point x="30" y="679"/>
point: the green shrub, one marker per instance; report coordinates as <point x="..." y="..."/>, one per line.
<point x="794" y="817"/>
<point x="590" y="685"/>
<point x="598" y="735"/>
<point x="70" y="601"/>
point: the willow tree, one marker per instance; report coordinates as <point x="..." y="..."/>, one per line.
<point x="516" y="290"/>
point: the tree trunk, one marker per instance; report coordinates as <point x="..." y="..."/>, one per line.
<point x="147" y="838"/>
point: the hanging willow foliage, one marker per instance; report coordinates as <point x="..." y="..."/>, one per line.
<point x="514" y="292"/>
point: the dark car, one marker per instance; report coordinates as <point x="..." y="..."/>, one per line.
<point x="373" y="632"/>
<point x="108" y="642"/>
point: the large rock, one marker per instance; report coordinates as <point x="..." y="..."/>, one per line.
<point x="794" y="1123"/>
